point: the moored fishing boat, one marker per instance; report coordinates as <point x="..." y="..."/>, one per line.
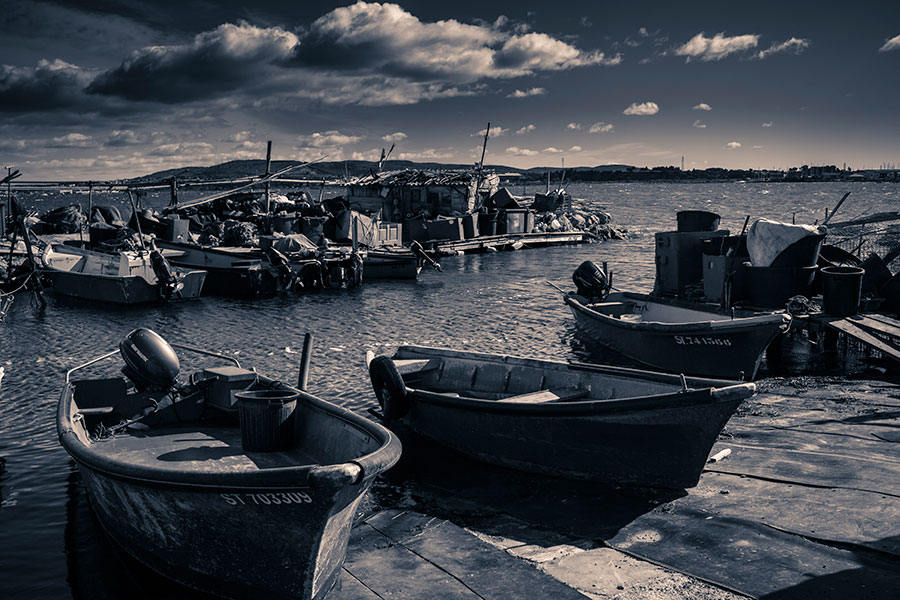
<point x="579" y="421"/>
<point x="128" y="277"/>
<point x="260" y="508"/>
<point x="387" y="263"/>
<point x="240" y="272"/>
<point x="680" y="337"/>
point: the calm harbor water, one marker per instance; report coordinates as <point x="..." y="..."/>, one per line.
<point x="492" y="302"/>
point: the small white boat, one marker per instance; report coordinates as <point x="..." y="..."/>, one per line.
<point x="129" y="277"/>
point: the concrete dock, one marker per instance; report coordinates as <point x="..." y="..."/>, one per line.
<point x="805" y="505"/>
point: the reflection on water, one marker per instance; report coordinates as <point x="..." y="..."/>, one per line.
<point x="491" y="302"/>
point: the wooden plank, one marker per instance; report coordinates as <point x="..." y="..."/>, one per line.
<point x="848" y="328"/>
<point x="413" y="365"/>
<point x="547" y="396"/>
<point x="877" y="325"/>
<point x="471" y="568"/>
<point x="883" y="319"/>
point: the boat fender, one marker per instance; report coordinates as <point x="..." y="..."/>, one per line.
<point x="149" y="359"/>
<point x="591" y="281"/>
<point x="389" y="387"/>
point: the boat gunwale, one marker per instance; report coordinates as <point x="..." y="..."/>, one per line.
<point x="710" y="391"/>
<point x="737" y="324"/>
<point x="297" y="476"/>
<point x="50" y="269"/>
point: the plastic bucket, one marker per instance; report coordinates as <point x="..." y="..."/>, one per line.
<point x="267" y="419"/>
<point x="697" y="220"/>
<point x="841" y="290"/>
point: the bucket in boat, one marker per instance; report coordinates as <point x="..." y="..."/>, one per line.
<point x="267" y="419"/>
<point x="841" y="290"/>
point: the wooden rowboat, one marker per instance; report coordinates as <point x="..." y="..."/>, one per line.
<point x="168" y="474"/>
<point x="611" y="424"/>
<point x="680" y="338"/>
<point x="129" y="277"/>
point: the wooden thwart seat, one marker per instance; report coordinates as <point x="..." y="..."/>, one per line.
<point x="414" y="366"/>
<point x="547" y="396"/>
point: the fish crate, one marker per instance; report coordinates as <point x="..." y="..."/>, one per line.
<point x="390" y="234"/>
<point x="512" y="220"/>
<point x="679" y="259"/>
<point x="445" y="229"/>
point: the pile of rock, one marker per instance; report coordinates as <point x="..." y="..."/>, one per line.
<point x="595" y="223"/>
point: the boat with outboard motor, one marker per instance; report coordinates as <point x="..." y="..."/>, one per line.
<point x="601" y="423"/>
<point x="126" y="277"/>
<point x="672" y="335"/>
<point x="260" y="506"/>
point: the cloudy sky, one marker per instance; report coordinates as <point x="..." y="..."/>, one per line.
<point x="118" y="88"/>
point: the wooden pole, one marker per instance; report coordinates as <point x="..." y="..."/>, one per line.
<point x="303" y="378"/>
<point x="828" y="218"/>
<point x="268" y="172"/>
<point x="173" y="192"/>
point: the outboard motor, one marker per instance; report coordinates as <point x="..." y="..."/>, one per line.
<point x="168" y="282"/>
<point x="149" y="360"/>
<point x="591" y="281"/>
<point x="282" y="267"/>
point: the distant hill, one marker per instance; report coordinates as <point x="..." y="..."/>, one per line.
<point x="335" y="170"/>
<point x="324" y="170"/>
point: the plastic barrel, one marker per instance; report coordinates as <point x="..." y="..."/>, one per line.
<point x="696" y="220"/>
<point x="841" y="290"/>
<point x="267" y="419"/>
<point x="487" y="223"/>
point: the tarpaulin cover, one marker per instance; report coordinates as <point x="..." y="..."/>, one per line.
<point x="766" y="239"/>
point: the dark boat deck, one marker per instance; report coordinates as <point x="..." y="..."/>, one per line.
<point x="206" y="449"/>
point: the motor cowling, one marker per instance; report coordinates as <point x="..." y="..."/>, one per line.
<point x="590" y="280"/>
<point x="149" y="359"/>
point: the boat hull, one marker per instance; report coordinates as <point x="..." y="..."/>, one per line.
<point x="724" y="349"/>
<point x="189" y="534"/>
<point x="121" y="290"/>
<point x="387" y="266"/>
<point x="662" y="447"/>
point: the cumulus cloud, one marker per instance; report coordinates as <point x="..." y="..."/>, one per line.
<point x="186" y="149"/>
<point x="221" y="60"/>
<point x="574" y="126"/>
<point x="535" y="91"/>
<point x="516" y="151"/>
<point x="703" y="106"/>
<point x="51" y="85"/>
<point x="555" y="150"/>
<point x="328" y="139"/>
<point x="240" y="136"/>
<point x="124" y="137"/>
<point x="699" y="125"/>
<point x="732" y="145"/>
<point x="717" y="47"/>
<point x="767" y="124"/>
<point x="386" y="38"/>
<point x="10" y="144"/>
<point x="427" y="154"/>
<point x="644" y="108"/>
<point x="601" y="127"/>
<point x="793" y="45"/>
<point x="891" y="44"/>
<point x="526" y="129"/>
<point x="397" y="136"/>
<point x="495" y="132"/>
<point x="72" y="140"/>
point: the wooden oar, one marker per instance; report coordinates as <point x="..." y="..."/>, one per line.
<point x="837" y="206"/>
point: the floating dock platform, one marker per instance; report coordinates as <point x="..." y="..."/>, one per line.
<point x="508" y="241"/>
